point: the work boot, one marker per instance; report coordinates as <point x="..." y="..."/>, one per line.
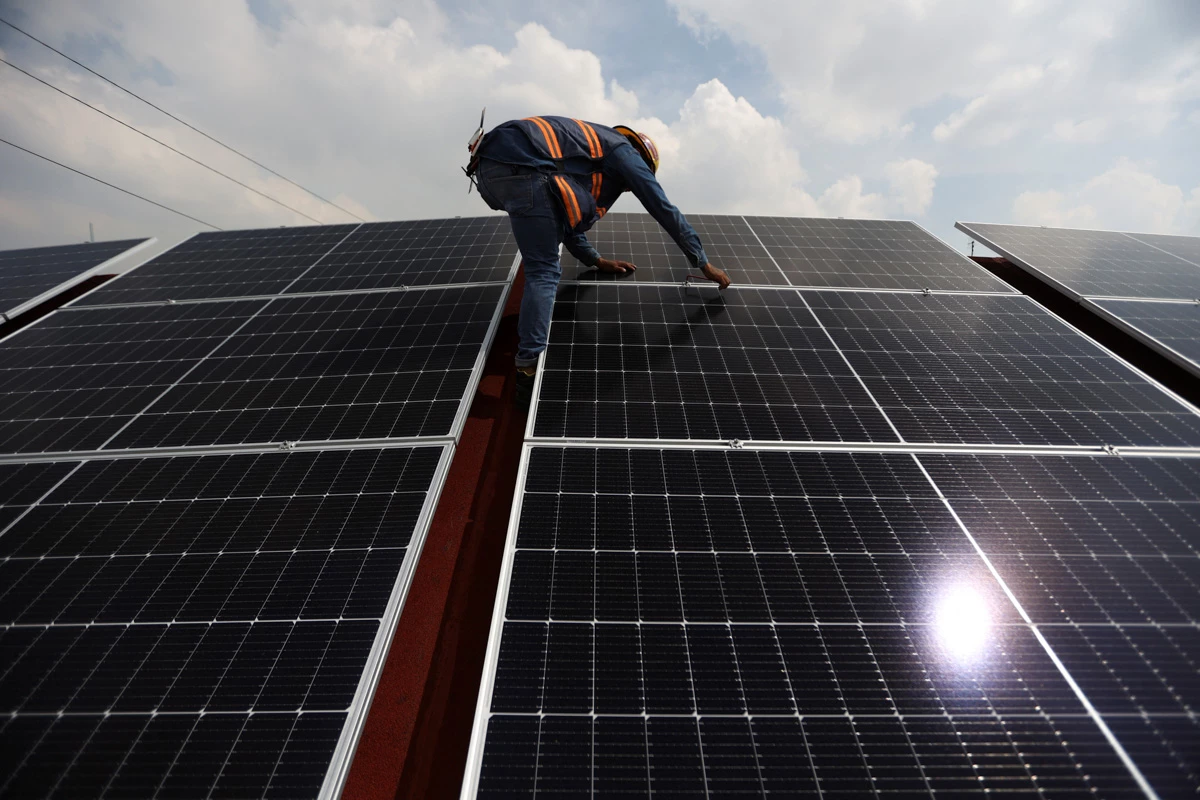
<point x="525" y="378"/>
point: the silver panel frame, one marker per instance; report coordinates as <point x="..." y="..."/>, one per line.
<point x="75" y="303"/>
<point x="343" y="755"/>
<point x="54" y="291"/>
<point x="1044" y="277"/>
<point x="485" y="349"/>
<point x="1159" y="346"/>
<point x="483" y="703"/>
<point x="1170" y="393"/>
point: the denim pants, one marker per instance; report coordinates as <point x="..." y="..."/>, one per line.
<point x="538" y="226"/>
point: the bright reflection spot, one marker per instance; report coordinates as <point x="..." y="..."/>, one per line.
<point x="963" y="622"/>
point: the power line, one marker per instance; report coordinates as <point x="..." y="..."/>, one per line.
<point x="110" y="185"/>
<point x="159" y="141"/>
<point x="180" y="121"/>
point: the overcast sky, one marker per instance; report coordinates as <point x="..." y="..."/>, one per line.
<point x="1042" y="112"/>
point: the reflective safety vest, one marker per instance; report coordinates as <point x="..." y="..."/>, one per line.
<point x="585" y="197"/>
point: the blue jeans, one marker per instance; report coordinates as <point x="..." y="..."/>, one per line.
<point x="539" y="228"/>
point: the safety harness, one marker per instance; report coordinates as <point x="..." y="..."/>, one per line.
<point x="557" y="140"/>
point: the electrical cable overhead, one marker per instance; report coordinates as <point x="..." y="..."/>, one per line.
<point x="110" y="185"/>
<point x="186" y="124"/>
<point x="159" y="141"/>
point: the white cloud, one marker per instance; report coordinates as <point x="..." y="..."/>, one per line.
<point x="723" y="155"/>
<point x="857" y="70"/>
<point x="912" y="183"/>
<point x="1052" y="208"/>
<point x="1087" y="131"/>
<point x="370" y="103"/>
<point x="1125" y="197"/>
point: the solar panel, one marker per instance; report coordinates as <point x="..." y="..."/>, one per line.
<point x="74" y="379"/>
<point x="383" y="364"/>
<point x="728" y="241"/>
<point x="1172" y="328"/>
<point x="1103" y="555"/>
<point x="720" y="620"/>
<point x="868" y="254"/>
<point x="660" y="362"/>
<point x="383" y="255"/>
<point x="1185" y="247"/>
<point x="995" y="370"/>
<point x="354" y="366"/>
<point x="1092" y="263"/>
<point x="223" y="264"/>
<point x="22" y="484"/>
<point x="29" y="275"/>
<point x="206" y="625"/>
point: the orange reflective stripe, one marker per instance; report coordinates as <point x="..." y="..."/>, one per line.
<point x="602" y="211"/>
<point x="593" y="140"/>
<point x="551" y="137"/>
<point x="597" y="183"/>
<point x="574" y="216"/>
<point x="596" y="139"/>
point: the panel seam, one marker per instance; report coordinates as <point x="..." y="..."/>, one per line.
<point x="1091" y="710"/>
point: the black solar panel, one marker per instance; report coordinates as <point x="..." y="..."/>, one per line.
<point x="1185" y="247"/>
<point x="22" y="484"/>
<point x="26" y="275"/>
<point x="224" y="264"/>
<point x="384" y="255"/>
<point x="868" y="254"/>
<point x="1173" y="327"/>
<point x="383" y="364"/>
<point x="675" y="363"/>
<point x="199" y="625"/>
<point x="728" y="242"/>
<point x="74" y="379"/>
<point x="995" y="370"/>
<point x="721" y="621"/>
<point x="1092" y="263"/>
<point x="1102" y="553"/>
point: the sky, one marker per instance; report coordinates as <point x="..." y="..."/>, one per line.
<point x="1045" y="113"/>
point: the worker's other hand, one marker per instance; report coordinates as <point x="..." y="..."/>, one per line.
<point x="715" y="275"/>
<point x="618" y="267"/>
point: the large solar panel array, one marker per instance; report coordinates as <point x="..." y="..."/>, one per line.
<point x="782" y="251"/>
<point x="31" y="275"/>
<point x="1147" y="284"/>
<point x="842" y="542"/>
<point x="213" y="492"/>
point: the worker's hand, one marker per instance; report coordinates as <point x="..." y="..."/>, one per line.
<point x="619" y="267"/>
<point x="715" y="275"/>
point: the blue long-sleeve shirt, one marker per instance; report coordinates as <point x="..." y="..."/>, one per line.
<point x="622" y="169"/>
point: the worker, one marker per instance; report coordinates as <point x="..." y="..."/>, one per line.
<point x="555" y="177"/>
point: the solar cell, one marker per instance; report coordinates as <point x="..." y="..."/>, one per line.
<point x="610" y="671"/>
<point x="1092" y="263"/>
<point x="674" y="363"/>
<point x="382" y="364"/>
<point x="1173" y="328"/>
<point x="383" y="255"/>
<point x="77" y="377"/>
<point x="1102" y="553"/>
<point x="868" y="254"/>
<point x="728" y="241"/>
<point x="223" y="264"/>
<point x="150" y="649"/>
<point x="28" y="274"/>
<point x="995" y="370"/>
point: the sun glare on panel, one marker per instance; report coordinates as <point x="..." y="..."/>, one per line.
<point x="963" y="622"/>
